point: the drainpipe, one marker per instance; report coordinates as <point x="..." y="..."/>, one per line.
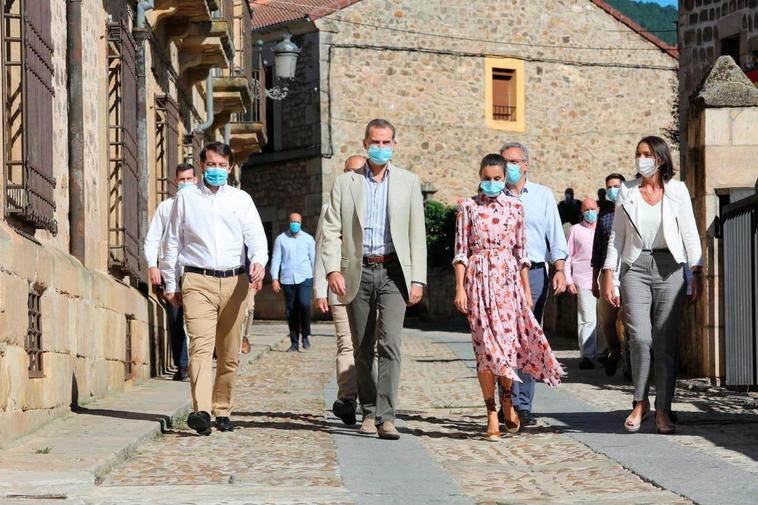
<point x="143" y="179"/>
<point x="227" y="133"/>
<point x="208" y="105"/>
<point x="76" y="210"/>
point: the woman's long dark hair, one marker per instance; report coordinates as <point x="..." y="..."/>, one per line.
<point x="491" y="160"/>
<point x="661" y="151"/>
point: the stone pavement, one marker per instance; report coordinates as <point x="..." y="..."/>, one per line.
<point x="289" y="449"/>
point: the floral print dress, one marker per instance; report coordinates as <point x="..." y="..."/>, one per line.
<point x="490" y="241"/>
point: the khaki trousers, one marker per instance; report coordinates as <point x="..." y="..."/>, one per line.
<point x="347" y="387"/>
<point x="213" y="310"/>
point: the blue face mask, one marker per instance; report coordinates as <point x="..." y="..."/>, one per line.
<point x="184" y="185"/>
<point x="512" y="173"/>
<point x="215" y="176"/>
<point x="379" y="155"/>
<point x="612" y="193"/>
<point x="295" y="228"/>
<point x="492" y="188"/>
<point x="590" y="216"/>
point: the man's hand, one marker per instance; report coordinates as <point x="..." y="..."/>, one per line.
<point x="337" y="283"/>
<point x="257" y="272"/>
<point x="275" y="286"/>
<point x="322" y="304"/>
<point x="571" y="288"/>
<point x="155" y="276"/>
<point x="461" y="300"/>
<point x="174" y="299"/>
<point x="255" y="286"/>
<point x="417" y="292"/>
<point x="559" y="283"/>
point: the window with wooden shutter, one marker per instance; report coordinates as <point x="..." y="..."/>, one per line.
<point x="27" y="80"/>
<point x="505" y="94"/>
<point x="193" y="144"/>
<point x="123" y="205"/>
<point x="166" y="146"/>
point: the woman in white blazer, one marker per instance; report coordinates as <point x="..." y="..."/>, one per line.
<point x="654" y="235"/>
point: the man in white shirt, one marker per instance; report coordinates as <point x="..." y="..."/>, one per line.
<point x="292" y="262"/>
<point x="209" y="227"/>
<point x="185" y="178"/>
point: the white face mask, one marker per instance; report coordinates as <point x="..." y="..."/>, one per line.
<point x="646" y="166"/>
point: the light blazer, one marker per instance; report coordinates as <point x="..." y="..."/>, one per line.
<point x="678" y="221"/>
<point x="342" y="243"/>
<point x="320" y="284"/>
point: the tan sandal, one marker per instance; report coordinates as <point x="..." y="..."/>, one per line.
<point x="491" y="436"/>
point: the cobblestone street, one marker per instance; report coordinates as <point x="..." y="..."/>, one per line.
<point x="288" y="448"/>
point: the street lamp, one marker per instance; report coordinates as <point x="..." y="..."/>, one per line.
<point x="286" y="53"/>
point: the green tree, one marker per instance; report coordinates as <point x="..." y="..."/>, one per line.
<point x="440" y="232"/>
<point x="657" y="19"/>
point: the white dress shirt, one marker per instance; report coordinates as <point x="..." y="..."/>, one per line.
<point x="208" y="230"/>
<point x="155" y="233"/>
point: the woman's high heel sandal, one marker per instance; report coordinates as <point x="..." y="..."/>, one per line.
<point x="491" y="436"/>
<point x="634" y="427"/>
<point x="509" y="413"/>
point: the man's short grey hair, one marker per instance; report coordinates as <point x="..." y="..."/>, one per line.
<point x="517" y="145"/>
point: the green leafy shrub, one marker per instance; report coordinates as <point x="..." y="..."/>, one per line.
<point x="440" y="232"/>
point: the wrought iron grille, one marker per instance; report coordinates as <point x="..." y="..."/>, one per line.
<point x="503" y="113"/>
<point x="27" y="80"/>
<point x="123" y="205"/>
<point x="166" y="146"/>
<point x="128" y="348"/>
<point x="740" y="222"/>
<point x="33" y="345"/>
<point x="193" y="144"/>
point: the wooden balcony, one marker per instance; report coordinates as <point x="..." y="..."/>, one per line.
<point x="204" y="45"/>
<point x="247" y="138"/>
<point x="197" y="10"/>
<point x="231" y="95"/>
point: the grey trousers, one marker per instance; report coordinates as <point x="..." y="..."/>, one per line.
<point x="653" y="292"/>
<point x="382" y="287"/>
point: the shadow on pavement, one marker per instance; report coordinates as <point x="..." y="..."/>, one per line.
<point x="162" y="419"/>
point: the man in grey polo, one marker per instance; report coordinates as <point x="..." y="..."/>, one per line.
<point x="374" y="254"/>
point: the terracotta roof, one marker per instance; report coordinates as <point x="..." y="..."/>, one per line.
<point x="671" y="50"/>
<point x="275" y="12"/>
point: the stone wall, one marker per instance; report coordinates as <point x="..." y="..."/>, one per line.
<point x="420" y="66"/>
<point x="702" y="26"/>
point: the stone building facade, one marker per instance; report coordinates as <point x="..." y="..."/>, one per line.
<point x="709" y="29"/>
<point x="91" y="137"/>
<point x="587" y="83"/>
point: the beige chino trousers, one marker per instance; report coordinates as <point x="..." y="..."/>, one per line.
<point x="213" y="312"/>
<point x="347" y="387"/>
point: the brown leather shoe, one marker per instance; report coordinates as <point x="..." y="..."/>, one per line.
<point x="368" y="426"/>
<point x="245" y="346"/>
<point x="387" y="431"/>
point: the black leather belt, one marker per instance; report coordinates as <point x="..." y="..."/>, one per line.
<point x="655" y="250"/>
<point x="216" y="273"/>
<point x="537" y="266"/>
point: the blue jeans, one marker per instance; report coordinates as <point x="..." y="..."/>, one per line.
<point x="297" y="309"/>
<point x="178" y="337"/>
<point x="523" y="393"/>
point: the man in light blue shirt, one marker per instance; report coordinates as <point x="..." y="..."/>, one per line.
<point x="545" y="243"/>
<point x="292" y="264"/>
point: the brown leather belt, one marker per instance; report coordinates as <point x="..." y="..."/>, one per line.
<point x="372" y="260"/>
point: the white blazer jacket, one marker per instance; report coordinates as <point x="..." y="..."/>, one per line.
<point x="678" y="221"/>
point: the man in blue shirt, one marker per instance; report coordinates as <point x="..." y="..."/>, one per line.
<point x="545" y="243"/>
<point x="292" y="263"/>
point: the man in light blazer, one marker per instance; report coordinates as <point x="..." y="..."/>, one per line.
<point x="374" y="254"/>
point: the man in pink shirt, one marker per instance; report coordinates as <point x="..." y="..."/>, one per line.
<point x="579" y="280"/>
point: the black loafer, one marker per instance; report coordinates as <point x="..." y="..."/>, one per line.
<point x="526" y="417"/>
<point x="200" y="422"/>
<point x="611" y="365"/>
<point x="345" y="410"/>
<point x="306" y="343"/>
<point x="586" y="364"/>
<point x="224" y="424"/>
<point x="293" y="348"/>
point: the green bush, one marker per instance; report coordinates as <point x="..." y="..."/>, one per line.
<point x="440" y="232"/>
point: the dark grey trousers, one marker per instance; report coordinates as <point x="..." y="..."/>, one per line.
<point x="382" y="288"/>
<point x="653" y="293"/>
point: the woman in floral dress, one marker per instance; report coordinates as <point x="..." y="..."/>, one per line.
<point x="492" y="289"/>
